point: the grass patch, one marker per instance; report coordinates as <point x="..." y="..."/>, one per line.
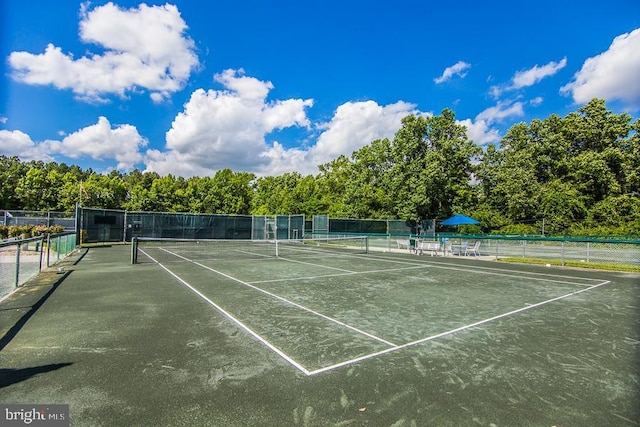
<point x="609" y="266"/>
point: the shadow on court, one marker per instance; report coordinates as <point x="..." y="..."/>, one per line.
<point x="13" y="376"/>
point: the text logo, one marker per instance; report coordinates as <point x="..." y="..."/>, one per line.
<point x="34" y="415"/>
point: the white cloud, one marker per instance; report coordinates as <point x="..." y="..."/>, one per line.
<point x="281" y="160"/>
<point x="159" y="59"/>
<point x="102" y="142"/>
<point x="17" y="143"/>
<point x="3" y="119"/>
<point x="533" y="75"/>
<point x="501" y="111"/>
<point x="356" y="124"/>
<point x="282" y="114"/>
<point x="457" y="69"/>
<point x="612" y="74"/>
<point x="529" y="77"/>
<point x="538" y="100"/>
<point x="227" y="128"/>
<point x="479" y="131"/>
<point x="99" y="142"/>
<point x="246" y="87"/>
<point x="353" y="125"/>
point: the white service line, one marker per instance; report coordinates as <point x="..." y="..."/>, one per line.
<point x="393" y="347"/>
<point x="485" y="270"/>
<point x="452" y="331"/>
<point x="355" y="273"/>
<point x="233" y="319"/>
<point x="316" y="265"/>
<point x="278" y="297"/>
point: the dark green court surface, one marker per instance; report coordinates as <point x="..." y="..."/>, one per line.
<point x="320" y="339"/>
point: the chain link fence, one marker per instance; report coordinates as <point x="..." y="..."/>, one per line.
<point x="393" y="227"/>
<point x="610" y="251"/>
<point x="107" y="225"/>
<point x="23" y="259"/>
<point x="559" y="249"/>
<point x="39" y="218"/>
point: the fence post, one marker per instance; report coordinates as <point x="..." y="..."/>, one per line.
<point x="588" y="251"/>
<point x="563" y="253"/>
<point x="48" y="249"/>
<point x="41" y="247"/>
<point x="18" y="264"/>
<point x="124" y="228"/>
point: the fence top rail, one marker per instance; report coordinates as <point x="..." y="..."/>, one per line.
<point x="18" y="241"/>
<point x="64" y="233"/>
<point x="23" y="213"/>
<point x="579" y="239"/>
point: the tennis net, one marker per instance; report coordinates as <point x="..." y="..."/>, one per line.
<point x="162" y="250"/>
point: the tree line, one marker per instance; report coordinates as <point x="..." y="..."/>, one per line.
<point x="576" y="174"/>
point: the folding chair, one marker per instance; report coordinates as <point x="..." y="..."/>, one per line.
<point x="473" y="249"/>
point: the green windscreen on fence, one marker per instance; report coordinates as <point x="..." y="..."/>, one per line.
<point x="106" y="225"/>
<point x="323" y="224"/>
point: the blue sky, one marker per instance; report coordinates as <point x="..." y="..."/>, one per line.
<point x="192" y="87"/>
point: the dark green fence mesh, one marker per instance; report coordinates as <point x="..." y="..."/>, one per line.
<point x="105" y="225"/>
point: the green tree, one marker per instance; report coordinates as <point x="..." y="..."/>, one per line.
<point x="433" y="167"/>
<point x="103" y="191"/>
<point x="367" y="193"/>
<point x="167" y="194"/>
<point x="332" y="182"/>
<point x="34" y="190"/>
<point x="561" y="205"/>
<point x="231" y="192"/>
<point x="11" y="170"/>
<point x="276" y="194"/>
<point x="602" y="150"/>
<point x="138" y="187"/>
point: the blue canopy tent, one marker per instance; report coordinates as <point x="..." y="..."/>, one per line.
<point x="460" y="220"/>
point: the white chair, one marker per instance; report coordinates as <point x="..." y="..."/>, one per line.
<point x="403" y="244"/>
<point x="432" y="247"/>
<point x="460" y="249"/>
<point x="447" y="248"/>
<point x="473" y="249"/>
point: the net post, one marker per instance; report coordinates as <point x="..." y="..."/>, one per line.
<point x="277" y="246"/>
<point x="134" y="250"/>
<point x="366" y="244"/>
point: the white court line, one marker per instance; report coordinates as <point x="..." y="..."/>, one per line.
<point x="394" y="347"/>
<point x="516" y="276"/>
<point x="483" y="270"/>
<point x="253" y="253"/>
<point x="355" y="273"/>
<point x="452" y="331"/>
<point x="233" y="319"/>
<point x="278" y="297"/>
<point x="317" y="265"/>
<point x="448" y="266"/>
<point x="452" y="266"/>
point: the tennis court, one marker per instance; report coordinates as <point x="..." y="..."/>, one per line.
<point x="214" y="334"/>
<point x="322" y="309"/>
